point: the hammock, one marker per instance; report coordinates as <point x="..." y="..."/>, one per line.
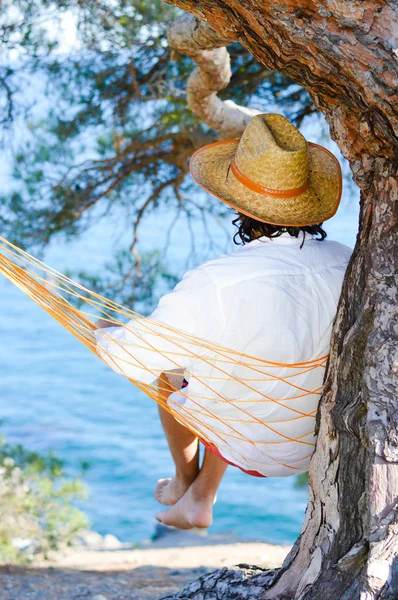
<point x="228" y="427"/>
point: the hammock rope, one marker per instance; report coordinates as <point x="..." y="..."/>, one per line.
<point x="57" y="294"/>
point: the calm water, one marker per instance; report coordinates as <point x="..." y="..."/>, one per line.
<point x="56" y="395"/>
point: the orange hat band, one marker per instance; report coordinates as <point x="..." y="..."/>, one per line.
<point x="260" y="189"/>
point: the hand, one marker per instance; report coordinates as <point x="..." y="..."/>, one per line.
<point x="104" y="323"/>
<point x="175" y="378"/>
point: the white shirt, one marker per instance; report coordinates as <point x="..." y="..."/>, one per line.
<point x="270" y="300"/>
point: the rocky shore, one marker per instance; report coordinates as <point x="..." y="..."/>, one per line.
<point x="102" y="568"/>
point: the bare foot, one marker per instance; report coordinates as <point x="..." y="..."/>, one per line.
<point x="190" y="511"/>
<point x="169" y="491"/>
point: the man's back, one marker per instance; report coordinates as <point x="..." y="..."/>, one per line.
<point x="273" y="301"/>
<point x="277" y="299"/>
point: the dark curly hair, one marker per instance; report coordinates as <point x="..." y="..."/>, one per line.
<point x="249" y="229"/>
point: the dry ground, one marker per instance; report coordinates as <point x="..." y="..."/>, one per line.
<point x="145" y="573"/>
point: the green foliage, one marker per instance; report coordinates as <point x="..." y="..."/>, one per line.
<point x="36" y="508"/>
<point x="106" y="125"/>
<point x="301" y="481"/>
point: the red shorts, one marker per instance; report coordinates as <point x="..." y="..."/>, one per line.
<point x="216" y="451"/>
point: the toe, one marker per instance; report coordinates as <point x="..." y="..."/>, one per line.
<point x="163" y="482"/>
<point x="160" y="487"/>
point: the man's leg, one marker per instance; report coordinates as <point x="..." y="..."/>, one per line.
<point x="184" y="448"/>
<point x="195" y="508"/>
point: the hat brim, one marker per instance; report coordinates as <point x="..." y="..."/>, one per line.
<point x="210" y="168"/>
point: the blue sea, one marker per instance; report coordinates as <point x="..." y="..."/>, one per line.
<point x="55" y="395"/>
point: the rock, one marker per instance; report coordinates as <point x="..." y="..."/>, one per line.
<point x="26" y="545"/>
<point x="100" y="597"/>
<point x="89" y="539"/>
<point x="21" y="543"/>
<point x="111" y="542"/>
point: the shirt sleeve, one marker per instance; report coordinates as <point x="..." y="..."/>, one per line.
<point x="173" y="337"/>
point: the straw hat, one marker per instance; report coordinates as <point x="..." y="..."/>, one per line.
<point x="271" y="174"/>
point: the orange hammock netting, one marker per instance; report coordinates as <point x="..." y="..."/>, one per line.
<point x="261" y="434"/>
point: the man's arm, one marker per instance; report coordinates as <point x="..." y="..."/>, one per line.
<point x="175" y="378"/>
<point x="146" y="347"/>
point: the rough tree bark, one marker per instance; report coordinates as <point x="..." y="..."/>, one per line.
<point x="345" y="53"/>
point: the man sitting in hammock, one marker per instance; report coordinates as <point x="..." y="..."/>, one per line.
<point x="248" y="331"/>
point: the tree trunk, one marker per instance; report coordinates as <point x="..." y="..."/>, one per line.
<point x="344" y="52"/>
